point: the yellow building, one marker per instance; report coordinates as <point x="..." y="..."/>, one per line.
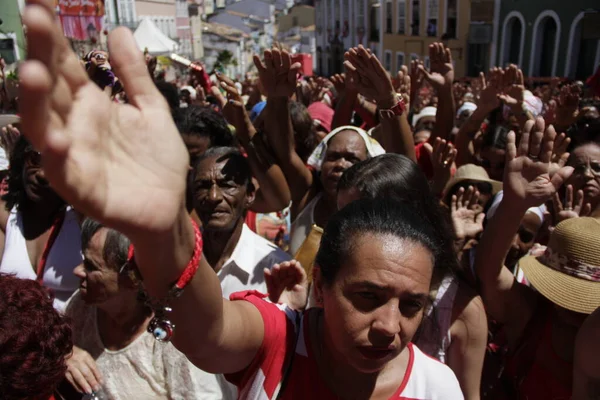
<point x="410" y="26"/>
<point x="299" y="16"/>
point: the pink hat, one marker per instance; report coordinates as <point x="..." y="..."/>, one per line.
<point x="322" y="114"/>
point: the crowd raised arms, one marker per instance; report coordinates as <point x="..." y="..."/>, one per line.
<point x="366" y="236"/>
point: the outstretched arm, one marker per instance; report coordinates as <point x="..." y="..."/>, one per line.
<point x="441" y="78"/>
<point x="278" y="78"/>
<point x="527" y="184"/>
<point x="120" y="164"/>
<point x="273" y="193"/>
<point x="372" y="81"/>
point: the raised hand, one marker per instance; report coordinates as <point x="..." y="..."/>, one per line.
<point x="201" y="97"/>
<point x="568" y="106"/>
<point x="559" y="153"/>
<point x="342" y="85"/>
<point x="442" y="70"/>
<point x="122" y="164"/>
<point x="404" y="85"/>
<point x="234" y="110"/>
<point x="442" y="155"/>
<point x="513" y="87"/>
<point x="369" y="76"/>
<point x="278" y="76"/>
<point x="82" y="372"/>
<point x="8" y="138"/>
<point x="490" y="90"/>
<point x="570" y="208"/>
<point x="527" y="181"/>
<point x="287" y="284"/>
<point x="416" y="78"/>
<point x="466" y="215"/>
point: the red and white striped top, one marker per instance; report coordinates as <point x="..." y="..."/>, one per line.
<point x="425" y="377"/>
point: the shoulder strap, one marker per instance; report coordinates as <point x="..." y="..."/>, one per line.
<point x="55" y="230"/>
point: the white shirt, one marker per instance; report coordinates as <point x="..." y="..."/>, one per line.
<point x="245" y="268"/>
<point x="145" y="369"/>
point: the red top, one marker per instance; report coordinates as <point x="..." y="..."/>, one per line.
<point x="424" y="160"/>
<point x="425" y="377"/>
<point x="549" y="377"/>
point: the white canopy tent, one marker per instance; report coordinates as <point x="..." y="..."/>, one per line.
<point x="148" y="36"/>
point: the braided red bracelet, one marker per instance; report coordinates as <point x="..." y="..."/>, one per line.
<point x="160" y="326"/>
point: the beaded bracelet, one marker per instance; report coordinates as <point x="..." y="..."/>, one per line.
<point x="160" y="326"/>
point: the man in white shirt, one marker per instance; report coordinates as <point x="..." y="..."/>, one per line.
<point x="223" y="192"/>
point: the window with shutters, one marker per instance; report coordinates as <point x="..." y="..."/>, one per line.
<point x="401" y="11"/>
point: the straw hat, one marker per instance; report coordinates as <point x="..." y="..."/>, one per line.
<point x="470" y="172"/>
<point x="568" y="273"/>
<point x="8" y="119"/>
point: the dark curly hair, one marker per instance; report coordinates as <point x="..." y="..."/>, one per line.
<point x="206" y="122"/>
<point x="394" y="176"/>
<point x="16" y="189"/>
<point x="34" y="341"/>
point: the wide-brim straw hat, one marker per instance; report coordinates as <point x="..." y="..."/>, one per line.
<point x="9" y="119"/>
<point x="568" y="273"/>
<point x="470" y="172"/>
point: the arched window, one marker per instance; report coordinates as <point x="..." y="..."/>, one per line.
<point x="544" y="50"/>
<point x="512" y="39"/>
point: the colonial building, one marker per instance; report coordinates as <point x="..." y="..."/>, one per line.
<point x="12" y="41"/>
<point x="184" y="29"/>
<point x="396" y="30"/>
<point x="217" y="39"/>
<point x="296" y="30"/>
<point x="550" y="37"/>
<point x="408" y="27"/>
<point x="162" y="12"/>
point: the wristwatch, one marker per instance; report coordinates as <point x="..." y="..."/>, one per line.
<point x="396" y="111"/>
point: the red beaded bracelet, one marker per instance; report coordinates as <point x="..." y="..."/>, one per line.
<point x="160" y="326"/>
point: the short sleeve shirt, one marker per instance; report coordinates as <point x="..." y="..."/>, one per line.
<point x="425" y="377"/>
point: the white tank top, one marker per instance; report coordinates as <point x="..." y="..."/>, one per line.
<point x="64" y="256"/>
<point x="302" y="225"/>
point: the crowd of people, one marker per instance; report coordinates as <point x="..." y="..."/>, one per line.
<point x="361" y="236"/>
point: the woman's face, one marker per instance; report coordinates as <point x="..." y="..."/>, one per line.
<point x="343" y="151"/>
<point x="99" y="281"/>
<point x="586" y="175"/>
<point x="375" y="305"/>
<point x="37" y="187"/>
<point x="524" y="238"/>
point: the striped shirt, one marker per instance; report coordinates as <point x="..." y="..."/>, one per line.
<point x="425" y="377"/>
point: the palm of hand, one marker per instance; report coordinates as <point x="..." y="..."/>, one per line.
<point x="489" y="98"/>
<point x="566" y="214"/>
<point x="442" y="74"/>
<point x="125" y="165"/>
<point x="466" y="223"/>
<point x="277" y="85"/>
<point x="528" y="180"/>
<point x="367" y="88"/>
<point x="514" y="95"/>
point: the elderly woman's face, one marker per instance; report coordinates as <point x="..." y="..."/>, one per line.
<point x="343" y="151"/>
<point x="376" y="302"/>
<point x="586" y="174"/>
<point x="99" y="281"/>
